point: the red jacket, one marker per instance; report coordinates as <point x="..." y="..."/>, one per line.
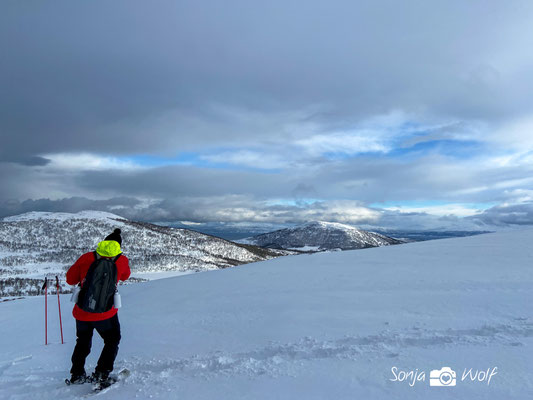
<point x="77" y="273"/>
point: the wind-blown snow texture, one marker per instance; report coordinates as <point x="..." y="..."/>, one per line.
<point x="321" y="326"/>
<point x="320" y="236"/>
<point x="39" y="243"/>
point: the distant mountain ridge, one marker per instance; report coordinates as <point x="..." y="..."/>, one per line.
<point x="321" y="236"/>
<point x="39" y="243"/>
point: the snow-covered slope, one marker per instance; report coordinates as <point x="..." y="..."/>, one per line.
<point x="341" y="325"/>
<point x="39" y="243"/>
<point x="320" y="236"/>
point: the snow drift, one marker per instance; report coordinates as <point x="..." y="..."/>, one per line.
<point x="321" y="326"/>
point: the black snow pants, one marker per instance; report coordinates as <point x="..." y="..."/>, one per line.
<point x="109" y="330"/>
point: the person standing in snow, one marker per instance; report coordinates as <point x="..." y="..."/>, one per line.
<point x="106" y="323"/>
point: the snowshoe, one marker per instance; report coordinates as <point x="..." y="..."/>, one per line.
<point x="102" y="384"/>
<point x="77" y="379"/>
<point x="103" y="381"/>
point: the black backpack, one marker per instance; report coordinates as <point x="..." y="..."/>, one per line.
<point x="99" y="285"/>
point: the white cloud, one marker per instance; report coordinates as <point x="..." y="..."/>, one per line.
<point x="249" y="158"/>
<point x="350" y="143"/>
<point x="517" y="196"/>
<point x="87" y="162"/>
<point x="246" y="208"/>
<point x="191" y="223"/>
<point x="459" y="210"/>
<point x="516" y="135"/>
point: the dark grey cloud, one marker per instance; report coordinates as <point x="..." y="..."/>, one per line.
<point x="176" y="181"/>
<point x="207" y="209"/>
<point x="506" y="215"/>
<point x="365" y="179"/>
<point x="118" y="205"/>
<point x="26" y="160"/>
<point x="131" y="76"/>
<point x="420" y="221"/>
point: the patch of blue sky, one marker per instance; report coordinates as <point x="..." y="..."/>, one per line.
<point x="394" y="147"/>
<point x="337" y="155"/>
<point x="195" y="159"/>
<point x="461" y="149"/>
<point x="412" y="127"/>
<point x="146" y="160"/>
<point x="407" y="204"/>
<point x="292" y="202"/>
<point x="239" y="167"/>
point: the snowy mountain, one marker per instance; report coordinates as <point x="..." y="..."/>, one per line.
<point x="320" y="236"/>
<point x="39" y="243"/>
<point x="367" y="324"/>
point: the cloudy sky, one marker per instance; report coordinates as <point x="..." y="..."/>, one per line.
<point x="406" y="114"/>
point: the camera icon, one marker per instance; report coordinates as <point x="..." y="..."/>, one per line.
<point x="442" y="377"/>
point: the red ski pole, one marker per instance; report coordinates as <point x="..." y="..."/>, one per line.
<point x="45" y="288"/>
<point x="59" y="307"/>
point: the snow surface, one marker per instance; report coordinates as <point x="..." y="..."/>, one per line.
<point x="321" y="326"/>
<point x="305" y="248"/>
<point x="150" y="276"/>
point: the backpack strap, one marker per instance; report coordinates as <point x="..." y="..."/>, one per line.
<point x="96" y="257"/>
<point x="115" y="261"/>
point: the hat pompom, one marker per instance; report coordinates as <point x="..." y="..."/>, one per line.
<point x="115" y="236"/>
